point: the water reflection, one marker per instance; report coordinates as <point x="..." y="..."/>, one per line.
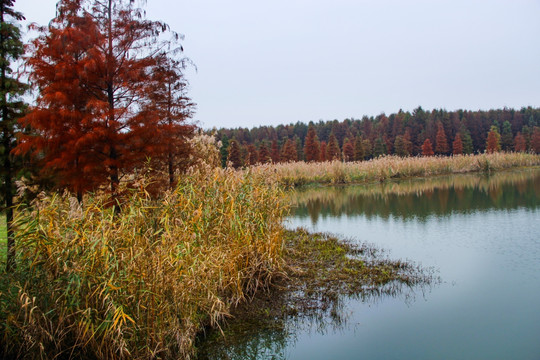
<point x="419" y="198"/>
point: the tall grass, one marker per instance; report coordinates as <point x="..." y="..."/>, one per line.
<point x="3" y="242"/>
<point x="390" y="167"/>
<point x="140" y="284"/>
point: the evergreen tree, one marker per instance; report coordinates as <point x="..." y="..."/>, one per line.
<point x="399" y="146"/>
<point x="368" y="150"/>
<point x="12" y="108"/>
<point x="507" y="139"/>
<point x="358" y="149"/>
<point x="224" y="150"/>
<point x="235" y="157"/>
<point x="379" y="149"/>
<point x="467" y="141"/>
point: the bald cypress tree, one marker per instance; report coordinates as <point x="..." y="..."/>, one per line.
<point x="11" y="108"/>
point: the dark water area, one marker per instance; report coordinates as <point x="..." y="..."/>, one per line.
<point x="482" y="235"/>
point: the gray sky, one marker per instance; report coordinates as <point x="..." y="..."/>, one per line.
<point x="283" y="61"/>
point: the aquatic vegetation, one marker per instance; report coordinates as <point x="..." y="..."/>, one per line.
<point x="321" y="272"/>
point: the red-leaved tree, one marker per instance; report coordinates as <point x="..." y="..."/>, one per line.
<point x="105" y="89"/>
<point x="457" y="145"/>
<point x="427" y="149"/>
<point x="311" y="146"/>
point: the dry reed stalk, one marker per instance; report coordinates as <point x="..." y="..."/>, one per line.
<point x="142" y="283"/>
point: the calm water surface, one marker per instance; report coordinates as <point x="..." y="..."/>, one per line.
<point x="482" y="235"/>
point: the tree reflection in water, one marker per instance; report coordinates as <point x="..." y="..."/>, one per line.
<point x="419" y="198"/>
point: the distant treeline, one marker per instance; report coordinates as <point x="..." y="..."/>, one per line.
<point x="404" y="133"/>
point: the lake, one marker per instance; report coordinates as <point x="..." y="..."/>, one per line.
<point x="480" y="233"/>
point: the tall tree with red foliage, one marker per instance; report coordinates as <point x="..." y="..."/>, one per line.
<point x="427" y="149"/>
<point x="493" y="140"/>
<point x="457" y="145"/>
<point x="274" y="152"/>
<point x="322" y="156"/>
<point x="169" y="107"/>
<point x="333" y="152"/>
<point x="520" y="144"/>
<point x="441" y="142"/>
<point x="535" y="140"/>
<point x="311" y="146"/>
<point x="348" y="150"/>
<point x="264" y="154"/>
<point x="288" y="152"/>
<point x="97" y="67"/>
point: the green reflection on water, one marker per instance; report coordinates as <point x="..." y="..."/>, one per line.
<point x="419" y="198"/>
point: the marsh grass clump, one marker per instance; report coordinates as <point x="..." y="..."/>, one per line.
<point x="394" y="167"/>
<point x="92" y="283"/>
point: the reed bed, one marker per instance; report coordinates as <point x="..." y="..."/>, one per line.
<point x="393" y="167"/>
<point x="143" y="282"/>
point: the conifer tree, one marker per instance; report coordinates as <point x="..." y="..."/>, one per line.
<point x="312" y="146"/>
<point x="379" y="148"/>
<point x="457" y="145"/>
<point x="224" y="150"/>
<point x="104" y="104"/>
<point x="441" y="142"/>
<point x="12" y="107"/>
<point x="507" y="139"/>
<point x="348" y="150"/>
<point x="358" y="149"/>
<point x="264" y="154"/>
<point x="252" y="155"/>
<point x="333" y="152"/>
<point x="235" y="157"/>
<point x="399" y="146"/>
<point x="368" y="151"/>
<point x="493" y="140"/>
<point x="535" y="140"/>
<point x="275" y="152"/>
<point x="427" y="149"/>
<point x="288" y="152"/>
<point x="322" y="156"/>
<point x="520" y="144"/>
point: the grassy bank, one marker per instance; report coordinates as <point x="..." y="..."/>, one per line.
<point x="393" y="167"/>
<point x="140" y="284"/>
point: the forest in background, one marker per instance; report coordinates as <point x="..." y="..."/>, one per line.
<point x="413" y="133"/>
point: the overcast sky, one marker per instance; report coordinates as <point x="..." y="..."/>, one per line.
<point x="283" y="61"/>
